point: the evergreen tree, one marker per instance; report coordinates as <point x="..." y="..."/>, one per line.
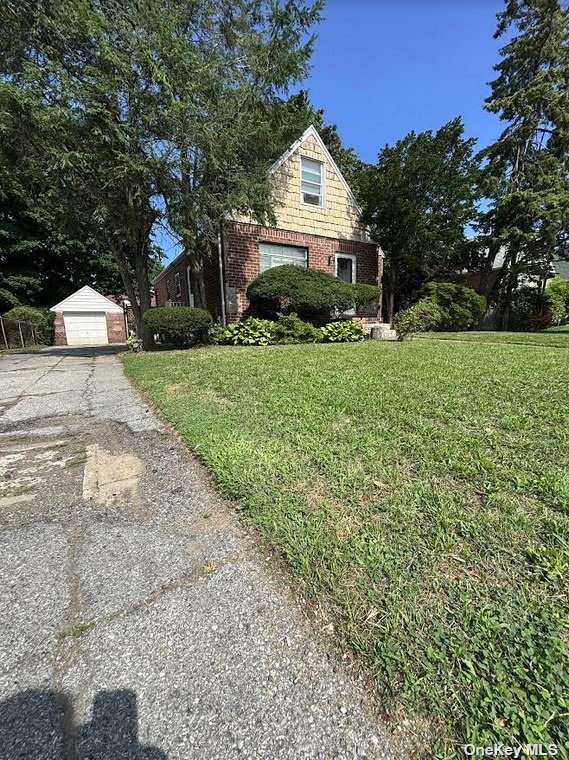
<point x="418" y="199"/>
<point x="527" y="173"/>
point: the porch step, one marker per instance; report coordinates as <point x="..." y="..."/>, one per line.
<point x="382" y="331"/>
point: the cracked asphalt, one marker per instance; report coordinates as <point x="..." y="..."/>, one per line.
<point x="138" y="618"/>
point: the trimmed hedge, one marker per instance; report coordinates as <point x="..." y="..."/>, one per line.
<point x="180" y="326"/>
<point x="309" y="293"/>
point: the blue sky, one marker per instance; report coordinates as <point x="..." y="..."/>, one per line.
<point x="384" y="67"/>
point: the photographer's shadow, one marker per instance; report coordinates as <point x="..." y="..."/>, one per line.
<point x="37" y="725"/>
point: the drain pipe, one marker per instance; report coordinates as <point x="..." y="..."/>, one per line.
<point x="221" y="277"/>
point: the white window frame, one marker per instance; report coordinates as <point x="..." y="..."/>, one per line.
<point x="282" y="255"/>
<point x="177" y="285"/>
<point x="322" y="182"/>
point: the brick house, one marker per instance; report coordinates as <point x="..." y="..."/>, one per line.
<point x="318" y="225"/>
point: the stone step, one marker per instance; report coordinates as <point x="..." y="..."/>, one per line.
<point x="382" y="331"/>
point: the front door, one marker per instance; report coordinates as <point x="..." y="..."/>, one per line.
<point x="346" y="270"/>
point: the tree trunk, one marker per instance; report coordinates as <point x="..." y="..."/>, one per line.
<point x="138" y="293"/>
<point x="511" y="285"/>
<point x="198" y="280"/>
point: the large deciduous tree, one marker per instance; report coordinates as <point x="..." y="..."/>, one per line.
<point x="418" y="199"/>
<point x="527" y="172"/>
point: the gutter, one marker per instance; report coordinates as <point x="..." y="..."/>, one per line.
<point x="221" y="277"/>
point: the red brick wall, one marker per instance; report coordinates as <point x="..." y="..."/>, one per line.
<point x="241" y="257"/>
<point x="165" y="285"/>
<point x="241" y="252"/>
<point x="116" y="331"/>
<point x="59" y="336"/>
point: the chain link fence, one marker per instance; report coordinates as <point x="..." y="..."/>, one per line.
<point x="19" y="334"/>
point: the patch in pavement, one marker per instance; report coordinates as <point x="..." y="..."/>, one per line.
<point x="112" y="479"/>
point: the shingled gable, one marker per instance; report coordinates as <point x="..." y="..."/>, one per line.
<point x="311" y="132"/>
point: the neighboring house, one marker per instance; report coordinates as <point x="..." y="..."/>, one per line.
<point x="560" y="269"/>
<point x="87" y="318"/>
<point x="318" y="225"/>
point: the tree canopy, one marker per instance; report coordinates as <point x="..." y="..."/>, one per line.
<point x="418" y="199"/>
<point x="527" y="171"/>
<point x="161" y="111"/>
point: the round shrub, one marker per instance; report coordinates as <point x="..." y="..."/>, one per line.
<point x="422" y="316"/>
<point x="364" y="293"/>
<point x="461" y="307"/>
<point x="179" y="326"/>
<point x="343" y="331"/>
<point x="307" y="292"/>
<point x="531" y="310"/>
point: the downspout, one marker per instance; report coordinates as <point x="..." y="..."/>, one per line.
<point x="221" y="277"/>
<point x="380" y="262"/>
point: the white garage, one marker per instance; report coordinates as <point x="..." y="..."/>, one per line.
<point x="87" y="318"/>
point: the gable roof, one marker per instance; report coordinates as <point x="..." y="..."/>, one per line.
<point x="87" y="299"/>
<point x="561" y="269"/>
<point x="311" y="132"/>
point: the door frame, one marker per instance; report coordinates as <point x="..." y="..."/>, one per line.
<point x="353" y="257"/>
<point x="339" y="255"/>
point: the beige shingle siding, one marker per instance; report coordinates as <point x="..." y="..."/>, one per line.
<point x="339" y="217"/>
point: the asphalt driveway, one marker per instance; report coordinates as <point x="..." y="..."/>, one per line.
<point x="138" y="619"/>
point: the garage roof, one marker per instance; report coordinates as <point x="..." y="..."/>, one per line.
<point x="87" y="299"/>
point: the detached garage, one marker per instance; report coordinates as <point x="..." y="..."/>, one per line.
<point x="88" y="318"/>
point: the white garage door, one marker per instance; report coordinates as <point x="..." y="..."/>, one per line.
<point x="86" y="328"/>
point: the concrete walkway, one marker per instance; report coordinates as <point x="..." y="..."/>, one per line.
<point x="137" y="618"/>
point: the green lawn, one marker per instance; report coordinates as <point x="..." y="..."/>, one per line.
<point x="422" y="489"/>
<point x="556" y="337"/>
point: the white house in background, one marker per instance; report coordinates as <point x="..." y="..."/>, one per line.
<point x="87" y="318"/>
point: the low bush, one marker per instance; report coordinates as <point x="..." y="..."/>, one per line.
<point x="531" y="310"/>
<point x="179" y="326"/>
<point x="310" y="293"/>
<point x="38" y="323"/>
<point x="289" y="328"/>
<point x="364" y="293"/>
<point x="251" y="332"/>
<point x="558" y="293"/>
<point x="461" y="307"/>
<point x="343" y="331"/>
<point x="423" y="316"/>
<point x="218" y="335"/>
